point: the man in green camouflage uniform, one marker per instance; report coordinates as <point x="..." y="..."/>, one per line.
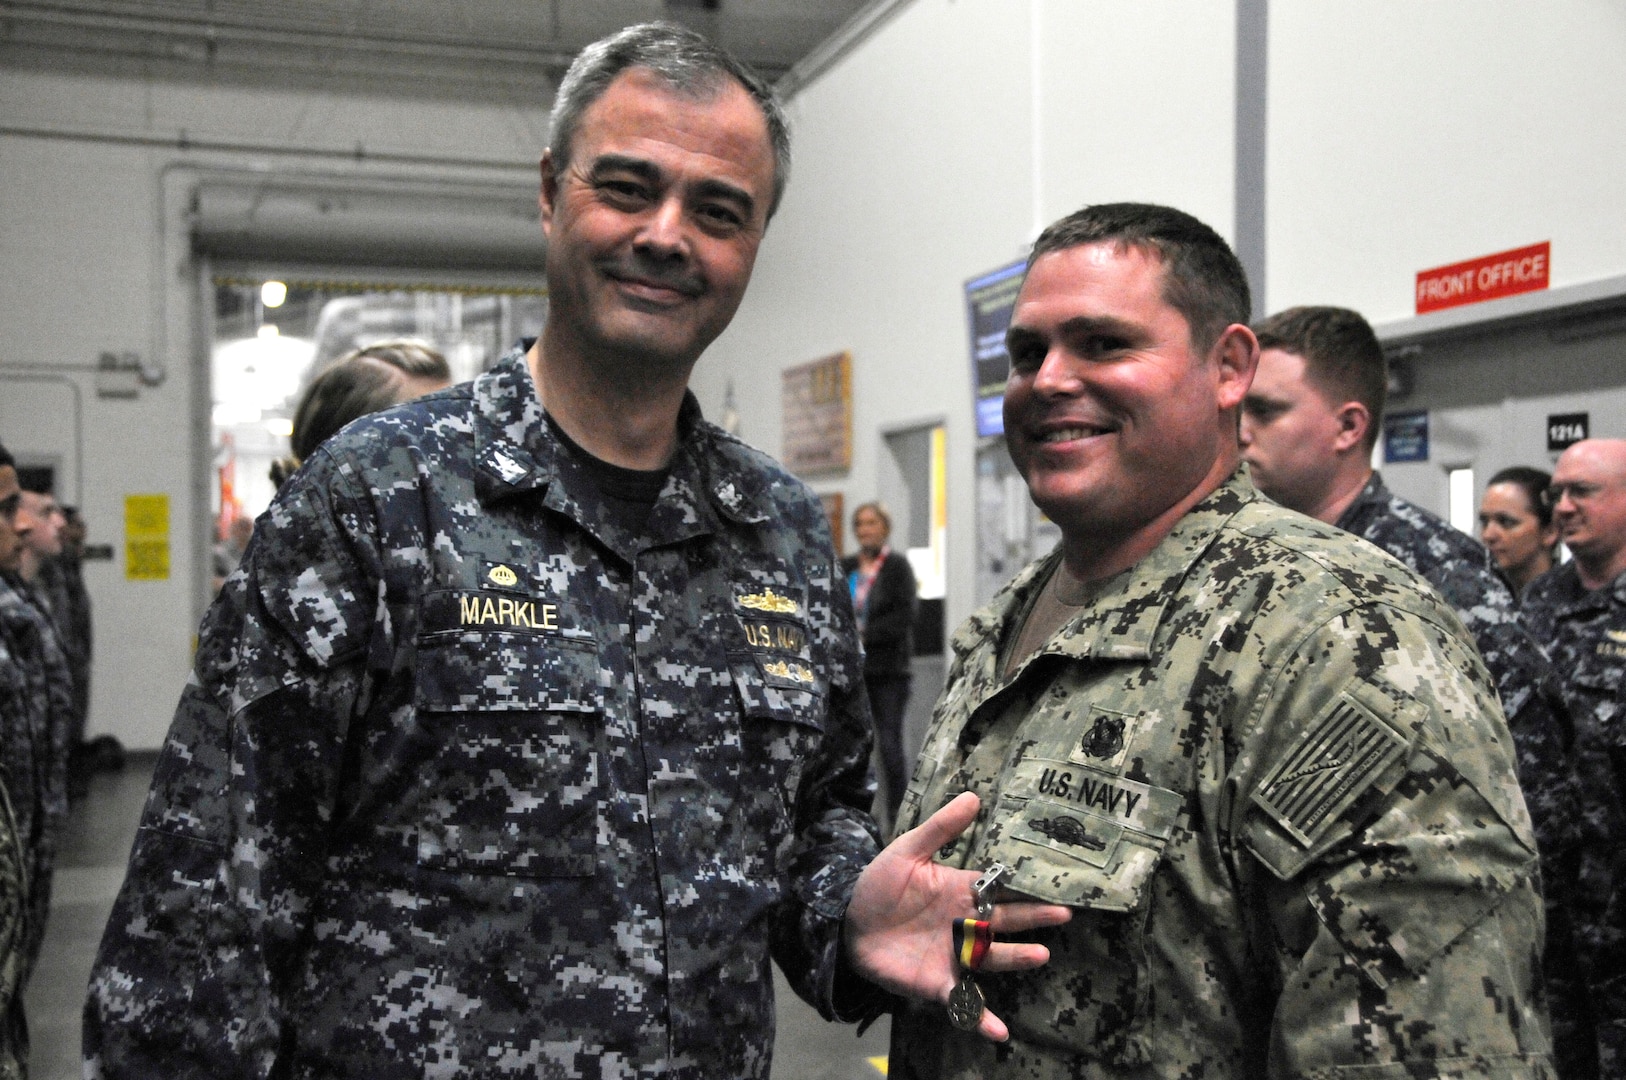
<point x="533" y="722"/>
<point x="1309" y="424"/>
<point x="1578" y="612"/>
<point x="1259" y="759"/>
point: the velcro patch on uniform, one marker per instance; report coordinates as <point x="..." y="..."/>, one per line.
<point x="1341" y="753"/>
<point x="1107" y="739"/>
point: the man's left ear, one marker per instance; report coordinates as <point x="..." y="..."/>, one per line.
<point x="1354" y="421"/>
<point x="549" y="190"/>
<point x="1236" y="357"/>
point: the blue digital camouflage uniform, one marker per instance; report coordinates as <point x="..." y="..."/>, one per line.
<point x="470" y="783"/>
<point x="13" y="926"/>
<point x="1543" y="731"/>
<point x="1584" y="632"/>
<point x="35" y="704"/>
<point x="1267" y="769"/>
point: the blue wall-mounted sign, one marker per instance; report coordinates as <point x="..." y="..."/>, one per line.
<point x="988" y="303"/>
<point x="1405" y="437"/>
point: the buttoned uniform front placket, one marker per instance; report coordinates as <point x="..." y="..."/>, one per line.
<point x="696" y="771"/>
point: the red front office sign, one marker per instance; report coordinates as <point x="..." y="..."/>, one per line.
<point x="1485" y="278"/>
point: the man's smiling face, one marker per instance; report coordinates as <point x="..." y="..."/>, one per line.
<point x="1111" y="416"/>
<point x="654" y="221"/>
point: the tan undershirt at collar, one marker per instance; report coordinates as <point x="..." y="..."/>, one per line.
<point x="1057" y="602"/>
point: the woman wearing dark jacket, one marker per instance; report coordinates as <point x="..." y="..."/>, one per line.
<point x="883" y="591"/>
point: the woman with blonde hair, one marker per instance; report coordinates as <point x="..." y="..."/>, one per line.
<point x="883" y="591"/>
<point x="365" y="381"/>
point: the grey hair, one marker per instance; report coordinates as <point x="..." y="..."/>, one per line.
<point x="686" y="61"/>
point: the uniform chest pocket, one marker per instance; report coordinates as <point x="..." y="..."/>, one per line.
<point x="781" y="725"/>
<point x="1604" y="668"/>
<point x="1090" y="840"/>
<point x="515" y="782"/>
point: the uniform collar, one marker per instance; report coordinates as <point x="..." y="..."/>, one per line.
<point x="1567" y="595"/>
<point x="1121" y="623"/>
<point x="515" y="452"/>
<point x="1374" y="495"/>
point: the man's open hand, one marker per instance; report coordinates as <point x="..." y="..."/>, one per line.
<point x="899" y="932"/>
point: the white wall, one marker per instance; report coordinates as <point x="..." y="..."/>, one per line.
<point x="93" y="234"/>
<point x="1405" y="136"/>
<point x="915" y="171"/>
<point x="1401" y="136"/>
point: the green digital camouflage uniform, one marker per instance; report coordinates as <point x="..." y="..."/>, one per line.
<point x="470" y="782"/>
<point x="1544" y="741"/>
<point x="1268" y="771"/>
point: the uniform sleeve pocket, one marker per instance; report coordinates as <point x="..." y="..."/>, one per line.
<point x="515" y="786"/>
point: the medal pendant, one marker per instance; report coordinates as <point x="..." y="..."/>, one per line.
<point x="965" y="1004"/>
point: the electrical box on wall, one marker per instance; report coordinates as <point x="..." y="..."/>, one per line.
<point x="123" y="374"/>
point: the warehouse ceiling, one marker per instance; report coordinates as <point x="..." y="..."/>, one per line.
<point x="482" y="50"/>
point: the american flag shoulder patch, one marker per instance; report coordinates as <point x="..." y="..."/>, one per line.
<point x="1336" y="758"/>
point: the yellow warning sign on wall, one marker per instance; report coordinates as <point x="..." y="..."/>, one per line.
<point x="146" y="537"/>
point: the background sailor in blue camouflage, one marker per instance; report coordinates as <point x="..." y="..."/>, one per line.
<point x="1578" y="613"/>
<point x="1516" y="525"/>
<point x="36" y="703"/>
<point x="1309" y="424"/>
<point x="1259" y="759"/>
<point x="532" y="723"/>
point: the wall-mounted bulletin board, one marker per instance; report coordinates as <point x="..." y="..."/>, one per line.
<point x="818" y="417"/>
<point x="835" y="515"/>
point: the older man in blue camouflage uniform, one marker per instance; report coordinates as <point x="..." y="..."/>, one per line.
<point x="35" y="703"/>
<point x="1309" y="423"/>
<point x="532" y="724"/>
<point x="1261" y="761"/>
<point x="1578" y="612"/>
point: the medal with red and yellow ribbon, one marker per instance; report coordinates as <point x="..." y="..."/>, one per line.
<point x="972" y="937"/>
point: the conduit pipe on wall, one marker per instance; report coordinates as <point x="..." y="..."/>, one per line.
<point x="219" y="27"/>
<point x="183" y="142"/>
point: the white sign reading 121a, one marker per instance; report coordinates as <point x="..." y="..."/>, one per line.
<point x="1566" y="429"/>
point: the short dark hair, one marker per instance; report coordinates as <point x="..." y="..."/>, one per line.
<point x="686" y="62"/>
<point x="1202" y="277"/>
<point x="6" y="458"/>
<point x="1342" y="357"/>
<point x="1533" y="482"/>
<point x="360" y="382"/>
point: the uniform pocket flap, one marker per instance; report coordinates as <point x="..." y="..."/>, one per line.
<point x="1605" y="668"/>
<point x="778" y="688"/>
<point x="1084" y="839"/>
<point x="499" y="670"/>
